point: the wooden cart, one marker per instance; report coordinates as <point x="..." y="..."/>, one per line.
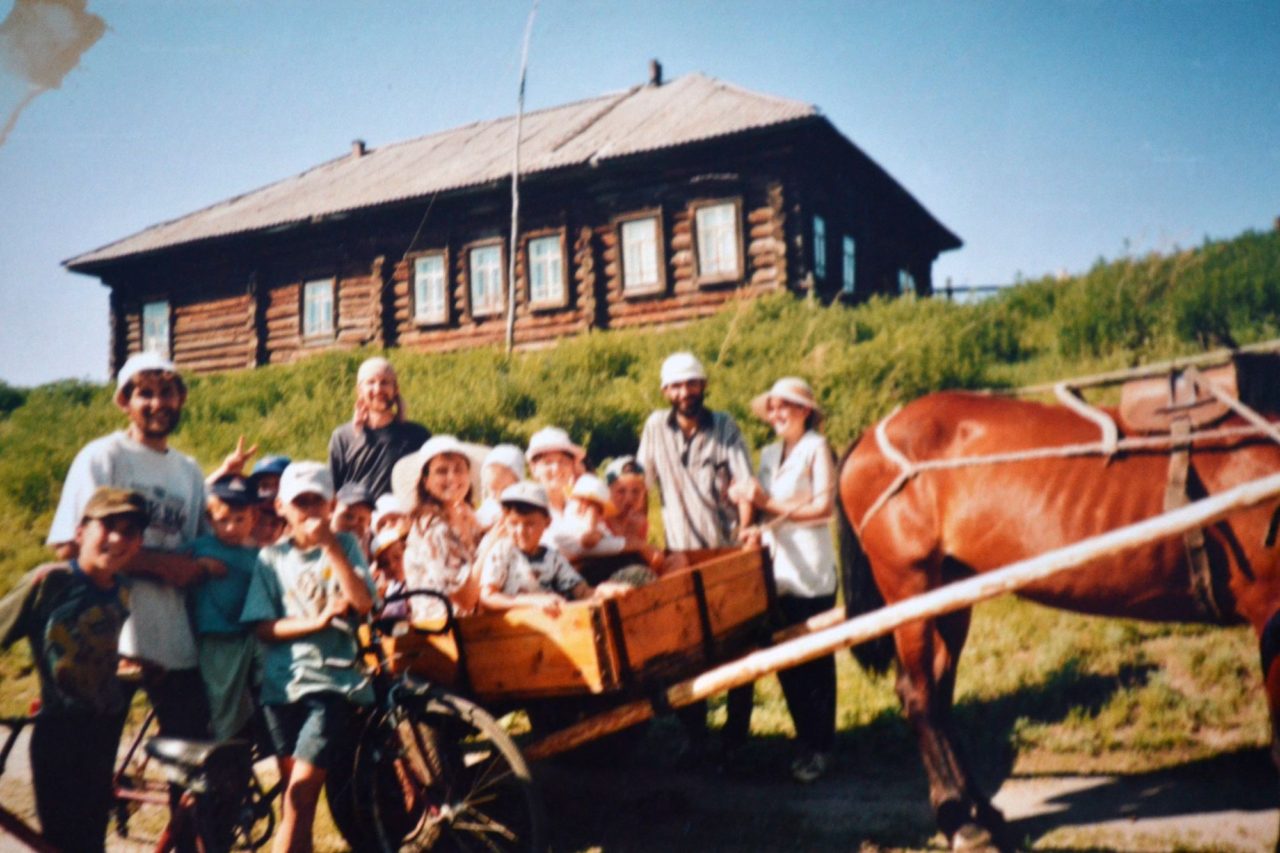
<point x="680" y="624"/>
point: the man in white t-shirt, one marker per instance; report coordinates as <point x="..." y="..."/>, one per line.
<point x="158" y="633"/>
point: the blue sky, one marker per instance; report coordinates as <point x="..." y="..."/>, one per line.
<point x="1047" y="135"/>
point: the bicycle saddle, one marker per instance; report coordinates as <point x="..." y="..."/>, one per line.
<point x="194" y="756"/>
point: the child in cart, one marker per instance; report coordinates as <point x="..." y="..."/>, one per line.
<point x="518" y="569"/>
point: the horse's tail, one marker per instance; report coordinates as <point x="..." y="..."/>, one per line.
<point x="861" y="595"/>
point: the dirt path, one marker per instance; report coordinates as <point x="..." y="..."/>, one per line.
<point x="1225" y="804"/>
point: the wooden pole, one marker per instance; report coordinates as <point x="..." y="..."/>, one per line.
<point x="515" y="187"/>
<point x="954" y="596"/>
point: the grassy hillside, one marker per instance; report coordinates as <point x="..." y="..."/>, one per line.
<point x="1023" y="666"/>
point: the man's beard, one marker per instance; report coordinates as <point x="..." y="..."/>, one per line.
<point x="170" y="421"/>
<point x="690" y="407"/>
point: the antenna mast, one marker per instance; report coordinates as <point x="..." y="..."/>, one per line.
<point x="515" y="187"/>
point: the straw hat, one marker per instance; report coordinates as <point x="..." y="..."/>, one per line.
<point x="793" y="389"/>
<point x="589" y="487"/>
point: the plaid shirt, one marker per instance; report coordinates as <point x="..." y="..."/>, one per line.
<point x="693" y="476"/>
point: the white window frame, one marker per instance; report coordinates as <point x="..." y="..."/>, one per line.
<point x="819" y="247"/>
<point x="319" y="308"/>
<point x="641" y="262"/>
<point x="717" y="232"/>
<point x="906" y="282"/>
<point x="431" y="288"/>
<point x="157" y="327"/>
<point x="849" y="264"/>
<point x="545" y="272"/>
<point x="491" y="298"/>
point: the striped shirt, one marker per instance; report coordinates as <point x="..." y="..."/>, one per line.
<point x="693" y="476"/>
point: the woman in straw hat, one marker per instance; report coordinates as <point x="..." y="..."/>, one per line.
<point x="793" y="499"/>
<point x="435" y="484"/>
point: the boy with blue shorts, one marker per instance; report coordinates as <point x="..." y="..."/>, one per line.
<point x="306" y="586"/>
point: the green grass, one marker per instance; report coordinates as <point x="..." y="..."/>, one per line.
<point x="1038" y="689"/>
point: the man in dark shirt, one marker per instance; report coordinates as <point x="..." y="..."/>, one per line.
<point x="364" y="449"/>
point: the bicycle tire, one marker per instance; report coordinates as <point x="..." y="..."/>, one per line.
<point x="441" y="774"/>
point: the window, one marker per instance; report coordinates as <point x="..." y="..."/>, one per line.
<point x="717" y="235"/>
<point x="641" y="267"/>
<point x="486" y="279"/>
<point x="546" y="270"/>
<point x="819" y="247"/>
<point x="429" y="300"/>
<point x="155" y="328"/>
<point x="317" y="307"/>
<point x="906" y="282"/>
<point x="848" y="257"/>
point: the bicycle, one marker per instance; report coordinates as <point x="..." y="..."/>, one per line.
<point x="239" y="808"/>
<point x="431" y="769"/>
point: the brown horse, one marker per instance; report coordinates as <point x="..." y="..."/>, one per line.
<point x="943" y="525"/>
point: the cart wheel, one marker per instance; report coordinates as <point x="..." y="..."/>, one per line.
<point x="441" y="774"/>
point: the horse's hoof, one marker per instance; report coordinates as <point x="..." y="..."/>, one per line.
<point x="973" y="838"/>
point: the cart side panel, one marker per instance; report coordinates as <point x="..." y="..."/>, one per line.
<point x="660" y="626"/>
<point x="737" y="589"/>
<point x="431" y="656"/>
<point x="524" y="652"/>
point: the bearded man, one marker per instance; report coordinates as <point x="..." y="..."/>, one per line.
<point x="157" y="635"/>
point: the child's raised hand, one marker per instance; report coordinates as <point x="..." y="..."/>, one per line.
<point x="238" y="458"/>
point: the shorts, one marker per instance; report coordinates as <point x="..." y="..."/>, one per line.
<point x="311" y="729"/>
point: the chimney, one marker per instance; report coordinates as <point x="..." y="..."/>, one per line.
<point x="655" y="72"/>
<point x="357" y="149"/>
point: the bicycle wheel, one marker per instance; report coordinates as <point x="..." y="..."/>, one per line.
<point x="442" y="774"/>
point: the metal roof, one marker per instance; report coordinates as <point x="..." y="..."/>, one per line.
<point x="645" y="118"/>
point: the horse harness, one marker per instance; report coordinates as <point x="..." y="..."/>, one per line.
<point x="1170" y="412"/>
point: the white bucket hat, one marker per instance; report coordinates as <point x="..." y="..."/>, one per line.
<point x="305" y="478"/>
<point x="793" y="389"/>
<point x="406" y="473"/>
<point x="552" y="440"/>
<point x="508" y="456"/>
<point x="682" y="367"/>
<point x="387" y="504"/>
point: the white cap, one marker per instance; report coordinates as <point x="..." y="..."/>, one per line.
<point x="682" y="367"/>
<point x="371" y="367"/>
<point x="305" y="478"/>
<point x="618" y="469"/>
<point x="552" y="440"/>
<point x="508" y="456"/>
<point x="386" y="538"/>
<point x="141" y="362"/>
<point x="385" y="505"/>
<point x="525" y="492"/>
<point x="589" y="487"/>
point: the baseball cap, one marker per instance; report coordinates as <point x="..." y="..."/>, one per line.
<point x="142" y="362"/>
<point x="387" y="504"/>
<point x="109" y="501"/>
<point x="682" y="367"/>
<point x="552" y="440"/>
<point x="621" y="467"/>
<point x="525" y="492"/>
<point x="385" y="539"/>
<point x="305" y="478"/>
<point x="508" y="456"/>
<point x="234" y="490"/>
<point x="355" y="493"/>
<point x="272" y="465"/>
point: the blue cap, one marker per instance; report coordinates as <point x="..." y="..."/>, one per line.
<point x="235" y="490"/>
<point x="272" y="465"/>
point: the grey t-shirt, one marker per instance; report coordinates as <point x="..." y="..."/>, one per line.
<point x="367" y="456"/>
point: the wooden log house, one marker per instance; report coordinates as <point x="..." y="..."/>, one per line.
<point x="647" y="207"/>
